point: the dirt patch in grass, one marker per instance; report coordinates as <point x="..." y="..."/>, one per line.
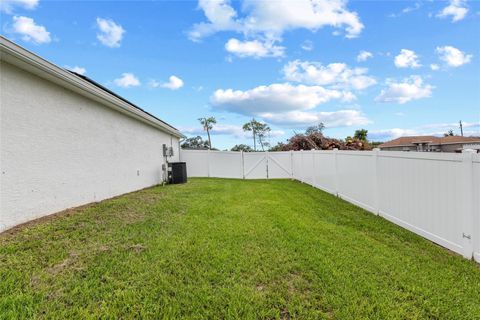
<point x="132" y="216"/>
<point x="285" y="314"/>
<point x="149" y="197"/>
<point x="66" y="263"/>
<point x="137" y="248"/>
<point x="103" y="248"/>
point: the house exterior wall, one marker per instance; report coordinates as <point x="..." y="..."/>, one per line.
<point x="400" y="148"/>
<point x="60" y="149"/>
<point x="451" y="147"/>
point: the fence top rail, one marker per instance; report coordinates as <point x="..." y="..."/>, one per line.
<point x="234" y="152"/>
<point x="193" y="151"/>
<point x="356" y="153"/>
<point x="440" y="156"/>
<point x="209" y="151"/>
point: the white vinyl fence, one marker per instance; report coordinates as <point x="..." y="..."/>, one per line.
<point x="436" y="195"/>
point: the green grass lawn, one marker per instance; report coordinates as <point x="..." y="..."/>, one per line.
<point x="230" y="249"/>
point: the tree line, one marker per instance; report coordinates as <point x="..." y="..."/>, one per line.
<point x="259" y="131"/>
<point x="311" y="138"/>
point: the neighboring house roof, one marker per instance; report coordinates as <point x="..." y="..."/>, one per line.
<point x="407" y="141"/>
<point x="24" y="59"/>
<point x="432" y="140"/>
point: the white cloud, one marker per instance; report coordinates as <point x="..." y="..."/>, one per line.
<point x="173" y="83"/>
<point x="333" y="119"/>
<point x="416" y="6"/>
<point x="268" y="20"/>
<point x="364" y="55"/>
<point x="220" y="15"/>
<point x="279" y="97"/>
<point x="254" y="48"/>
<point x="278" y="16"/>
<point x="77" y="69"/>
<point x="457" y="9"/>
<point x="110" y="34"/>
<point x="127" y="80"/>
<point x="411" y="88"/>
<point x="30" y="31"/>
<point x="334" y="74"/>
<point x="226" y="129"/>
<point x="452" y="56"/>
<point x="406" y="10"/>
<point x="390" y="134"/>
<point x="307" y="45"/>
<point x="288" y="105"/>
<point x="434" y="67"/>
<point x="407" y="59"/>
<point x="8" y="6"/>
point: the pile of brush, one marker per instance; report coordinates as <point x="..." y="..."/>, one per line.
<point x="318" y="141"/>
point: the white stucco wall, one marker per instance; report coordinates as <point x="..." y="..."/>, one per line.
<point x="60" y="149"/>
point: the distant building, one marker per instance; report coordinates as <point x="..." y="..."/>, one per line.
<point x="432" y="144"/>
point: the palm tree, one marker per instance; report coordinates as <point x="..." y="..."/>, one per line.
<point x="259" y="130"/>
<point x="207" y="124"/>
<point x="361" y="134"/>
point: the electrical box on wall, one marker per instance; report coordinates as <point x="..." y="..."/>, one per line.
<point x="167" y="151"/>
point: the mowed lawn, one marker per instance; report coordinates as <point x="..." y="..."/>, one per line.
<point x="230" y="249"/>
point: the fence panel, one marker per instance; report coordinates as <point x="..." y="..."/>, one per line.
<point x="297" y="166"/>
<point x="324" y="173"/>
<point x="307" y="166"/>
<point x="423" y="193"/>
<point x="255" y="165"/>
<point x="226" y="164"/>
<point x="356" y="177"/>
<point x="197" y="162"/>
<point x="279" y="165"/>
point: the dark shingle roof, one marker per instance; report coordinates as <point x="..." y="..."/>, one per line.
<point x="118" y="96"/>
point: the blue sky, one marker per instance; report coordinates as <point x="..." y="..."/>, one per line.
<point x="289" y="63"/>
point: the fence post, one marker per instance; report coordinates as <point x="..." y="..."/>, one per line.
<point x="291" y="165"/>
<point x="208" y="162"/>
<point x="243" y="165"/>
<point x="266" y="162"/>
<point x="301" y="167"/>
<point x="468" y="206"/>
<point x="314" y="179"/>
<point x="335" y="177"/>
<point x="376" y="190"/>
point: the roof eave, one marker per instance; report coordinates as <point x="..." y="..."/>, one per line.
<point x="397" y="145"/>
<point x="461" y="142"/>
